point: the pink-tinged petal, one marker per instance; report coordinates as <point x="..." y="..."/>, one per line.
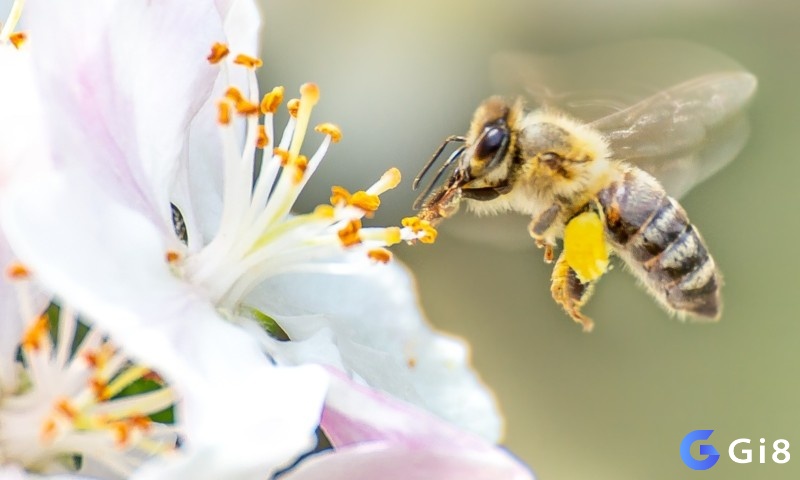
<point x="109" y="263"/>
<point x="377" y="436"/>
<point x="382" y="337"/>
<point x="355" y="414"/>
<point x="129" y="76"/>
<point x="386" y="461"/>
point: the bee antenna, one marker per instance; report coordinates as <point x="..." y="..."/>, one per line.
<point x="452" y="158"/>
<point x="436" y="155"/>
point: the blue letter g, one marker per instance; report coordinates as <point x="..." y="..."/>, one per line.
<point x="708" y="450"/>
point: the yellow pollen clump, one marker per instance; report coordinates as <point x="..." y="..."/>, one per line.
<point x="247" y="61"/>
<point x="17" y="39"/>
<point x="293" y="106"/>
<point x="33" y="337"/>
<point x="349" y="235"/>
<point x="330" y="129"/>
<point x="173" y="256"/>
<point x="300" y="164"/>
<point x="271" y="101"/>
<point x="17" y="271"/>
<point x="218" y="52"/>
<point x="380" y="255"/>
<point x="224" y="113"/>
<point x="262" y="139"/>
<point x="419" y="226"/>
<point x="585" y="248"/>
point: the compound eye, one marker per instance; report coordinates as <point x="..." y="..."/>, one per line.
<point x="491" y="142"/>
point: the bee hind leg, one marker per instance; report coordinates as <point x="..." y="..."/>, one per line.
<point x="569" y="292"/>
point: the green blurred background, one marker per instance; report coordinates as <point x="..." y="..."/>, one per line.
<point x="615" y="404"/>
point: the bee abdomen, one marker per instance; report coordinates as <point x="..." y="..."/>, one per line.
<point x="686" y="275"/>
<point x="654" y="235"/>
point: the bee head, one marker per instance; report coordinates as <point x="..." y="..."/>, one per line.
<point x="486" y="161"/>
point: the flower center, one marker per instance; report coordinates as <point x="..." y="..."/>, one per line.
<point x="65" y="397"/>
<point x="258" y="236"/>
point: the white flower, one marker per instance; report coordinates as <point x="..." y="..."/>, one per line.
<point x="242" y="416"/>
<point x="138" y="121"/>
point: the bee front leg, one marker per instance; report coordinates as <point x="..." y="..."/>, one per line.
<point x="571" y="293"/>
<point x="538" y="228"/>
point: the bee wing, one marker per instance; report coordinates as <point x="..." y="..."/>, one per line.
<point x="672" y="108"/>
<point x="686" y="133"/>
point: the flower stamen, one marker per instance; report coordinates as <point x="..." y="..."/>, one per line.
<point x="218" y="52"/>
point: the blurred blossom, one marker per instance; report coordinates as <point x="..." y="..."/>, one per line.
<point x="60" y="409"/>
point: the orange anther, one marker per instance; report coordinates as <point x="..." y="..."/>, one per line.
<point x="17" y="271"/>
<point x="282" y="154"/>
<point x="17" y="39"/>
<point x="271" y="101"/>
<point x="330" y="129"/>
<point x="262" y="140"/>
<point x="172" y="256"/>
<point x="349" y="235"/>
<point x="293" y="106"/>
<point x="34" y="336"/>
<point x="224" y="113"/>
<point x="380" y="255"/>
<point x="247" y="61"/>
<point x="300" y="165"/>
<point x="218" y="52"/>
<point x="245" y="107"/>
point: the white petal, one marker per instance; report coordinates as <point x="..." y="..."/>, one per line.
<point x="123" y="80"/>
<point x="201" y="204"/>
<point x="108" y="262"/>
<point x="22" y="152"/>
<point x="383" y="338"/>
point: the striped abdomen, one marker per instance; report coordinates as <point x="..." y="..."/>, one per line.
<point x="652" y="233"/>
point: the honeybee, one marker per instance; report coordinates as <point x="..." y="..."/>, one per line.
<point x="589" y="185"/>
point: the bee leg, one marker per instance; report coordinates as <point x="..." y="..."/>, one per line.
<point x="549" y="254"/>
<point x="539" y="226"/>
<point x="569" y="292"/>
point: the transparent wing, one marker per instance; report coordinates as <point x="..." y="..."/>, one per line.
<point x="686" y="133"/>
<point x="672" y="108"/>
